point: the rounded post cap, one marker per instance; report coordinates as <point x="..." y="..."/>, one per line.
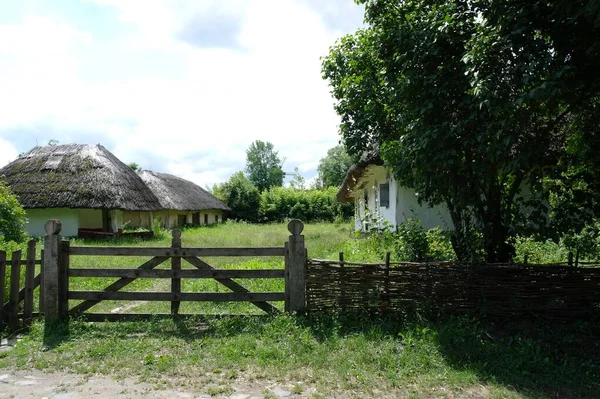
<point x="53" y="227"/>
<point x="295" y="227"/>
<point x="176" y="233"/>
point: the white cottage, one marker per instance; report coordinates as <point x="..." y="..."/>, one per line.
<point x="84" y="186"/>
<point x="378" y="197"/>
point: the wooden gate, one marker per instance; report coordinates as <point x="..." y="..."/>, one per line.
<point x="18" y="304"/>
<point x="58" y="271"/>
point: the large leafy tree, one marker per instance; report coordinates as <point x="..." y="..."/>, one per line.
<point x="333" y="167"/>
<point x="470" y="103"/>
<point x="263" y="165"/>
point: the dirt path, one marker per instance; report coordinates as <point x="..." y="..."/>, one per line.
<point x="37" y="384"/>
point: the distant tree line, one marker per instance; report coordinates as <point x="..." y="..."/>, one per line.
<point x="259" y="196"/>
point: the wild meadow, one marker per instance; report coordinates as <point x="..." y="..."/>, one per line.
<point x="413" y="356"/>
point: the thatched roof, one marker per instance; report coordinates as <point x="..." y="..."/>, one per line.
<point x="355" y="172"/>
<point x="179" y="194"/>
<point x="77" y="176"/>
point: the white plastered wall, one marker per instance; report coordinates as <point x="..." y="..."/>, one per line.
<point x="403" y="202"/>
<point x="37" y="218"/>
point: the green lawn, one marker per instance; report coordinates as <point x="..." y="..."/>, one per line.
<point x="357" y="356"/>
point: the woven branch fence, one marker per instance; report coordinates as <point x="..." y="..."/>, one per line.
<point x="498" y="291"/>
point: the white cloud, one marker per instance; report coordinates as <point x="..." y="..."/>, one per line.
<point x="195" y="122"/>
<point x="8" y="153"/>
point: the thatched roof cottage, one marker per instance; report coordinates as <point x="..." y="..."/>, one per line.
<point x="378" y="197"/>
<point x="182" y="202"/>
<point x="85" y="186"/>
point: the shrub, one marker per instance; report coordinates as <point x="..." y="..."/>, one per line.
<point x="281" y="203"/>
<point x="12" y="218"/>
<point x="241" y="196"/>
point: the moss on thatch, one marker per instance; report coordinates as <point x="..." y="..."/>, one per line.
<point x="77" y="176"/>
<point x="175" y="193"/>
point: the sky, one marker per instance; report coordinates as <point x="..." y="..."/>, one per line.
<point x="176" y="86"/>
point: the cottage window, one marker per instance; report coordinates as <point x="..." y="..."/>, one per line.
<point x="216" y="218"/>
<point x="206" y="218"/>
<point x="384" y="195"/>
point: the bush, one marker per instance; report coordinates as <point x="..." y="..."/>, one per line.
<point x="586" y="242"/>
<point x="410" y="243"/>
<point x="12" y="218"/>
<point x="281" y="203"/>
<point x="241" y="196"/>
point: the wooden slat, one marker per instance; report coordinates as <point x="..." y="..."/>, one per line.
<point x="187" y="273"/>
<point x="150" y="251"/>
<point x="29" y="282"/>
<point x="35" y="262"/>
<point x="232" y="285"/>
<point x="2" y="280"/>
<point x="41" y="281"/>
<point x="100" y="317"/>
<point x="63" y="279"/>
<point x="117" y="285"/>
<point x="15" y="282"/>
<point x="176" y="267"/>
<point x="171" y="296"/>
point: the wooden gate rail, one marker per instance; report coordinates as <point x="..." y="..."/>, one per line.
<point x="117" y="285"/>
<point x="183" y="252"/>
<point x="57" y="274"/>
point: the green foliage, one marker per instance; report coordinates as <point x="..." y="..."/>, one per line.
<point x="280" y="203"/>
<point x="135" y="167"/>
<point x="586" y="242"/>
<point x="159" y="232"/>
<point x="333" y="167"/>
<point x="12" y="218"/>
<point x="241" y="196"/>
<point x="540" y="252"/>
<point x="409" y="242"/>
<point x="470" y="101"/>
<point x="298" y="181"/>
<point x="263" y="165"/>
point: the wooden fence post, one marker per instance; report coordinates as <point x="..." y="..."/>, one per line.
<point x="175" y="265"/>
<point x="2" y="279"/>
<point x="29" y="277"/>
<point x="296" y="268"/>
<point x="342" y="283"/>
<point x="51" y="260"/>
<point x="63" y="280"/>
<point x="15" y="285"/>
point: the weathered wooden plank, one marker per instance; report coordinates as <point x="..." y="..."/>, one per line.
<point x="100" y="317"/>
<point x="176" y="267"/>
<point x="297" y="267"/>
<point x="232" y="285"/>
<point x="117" y="285"/>
<point x="183" y="252"/>
<point x="2" y="280"/>
<point x="63" y="280"/>
<point x="172" y="296"/>
<point x="29" y="282"/>
<point x="41" y="281"/>
<point x="15" y="282"/>
<point x="186" y="273"/>
<point x="52" y="241"/>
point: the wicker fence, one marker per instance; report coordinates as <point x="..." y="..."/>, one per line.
<point x="512" y="290"/>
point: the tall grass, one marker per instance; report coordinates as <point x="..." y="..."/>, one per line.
<point x="349" y="356"/>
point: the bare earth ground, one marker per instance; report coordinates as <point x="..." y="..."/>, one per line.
<point x="37" y="384"/>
